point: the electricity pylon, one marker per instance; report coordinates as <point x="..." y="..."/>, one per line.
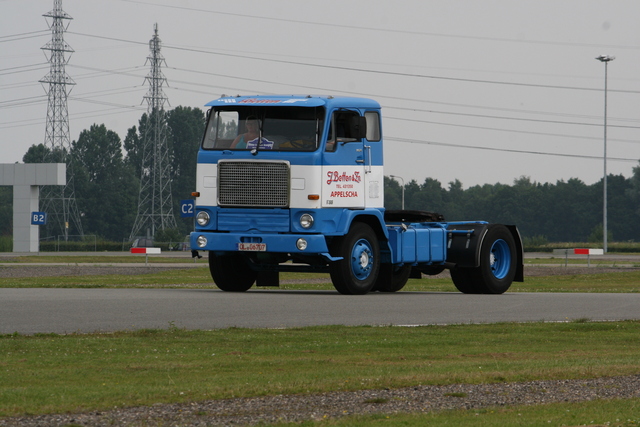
<point x="155" y="208"/>
<point x="59" y="201"/>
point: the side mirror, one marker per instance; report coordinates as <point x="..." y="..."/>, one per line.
<point x="362" y="127"/>
<point x="358" y="127"/>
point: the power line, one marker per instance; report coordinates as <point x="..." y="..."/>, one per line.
<point x="17" y="70"/>
<point x="368" y="71"/>
<point x="83" y="115"/>
<point x="486" y="116"/>
<point x="111" y="104"/>
<point x="633" y="141"/>
<point x="506" y="150"/>
<point x="378" y="96"/>
<point x="22" y="36"/>
<point x="41" y="64"/>
<point x="120" y="72"/>
<point x="25" y="34"/>
<point x="400" y="74"/>
<point x="431" y="102"/>
<point x="511" y="110"/>
<point x="17" y="85"/>
<point x="22" y="101"/>
<point x="244" y="15"/>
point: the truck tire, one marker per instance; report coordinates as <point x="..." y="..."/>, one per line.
<point x="357" y="271"/>
<point x="398" y="278"/>
<point x="463" y="280"/>
<point x="497" y="267"/>
<point x="231" y="272"/>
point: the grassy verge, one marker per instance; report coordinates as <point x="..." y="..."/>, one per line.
<point x="52" y="374"/>
<point x="179" y="257"/>
<point x="623" y="281"/>
<point x="595" y="262"/>
<point x="189" y="277"/>
<point x="99" y="259"/>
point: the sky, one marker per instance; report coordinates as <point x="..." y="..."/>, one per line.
<point x="482" y="91"/>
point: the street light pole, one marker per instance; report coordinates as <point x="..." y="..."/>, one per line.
<point x="606" y="59"/>
<point x="400" y="178"/>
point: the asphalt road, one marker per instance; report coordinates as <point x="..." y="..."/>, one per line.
<point x="29" y="311"/>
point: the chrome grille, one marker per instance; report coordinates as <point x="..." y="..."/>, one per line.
<point x="253" y="184"/>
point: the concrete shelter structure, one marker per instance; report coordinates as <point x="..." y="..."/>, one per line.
<point x="25" y="178"/>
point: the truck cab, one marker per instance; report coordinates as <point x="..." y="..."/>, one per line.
<point x="296" y="183"/>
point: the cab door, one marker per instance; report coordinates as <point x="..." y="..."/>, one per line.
<point x="345" y="162"/>
<point x="373" y="158"/>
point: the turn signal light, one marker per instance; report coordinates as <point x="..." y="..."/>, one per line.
<point x="195" y="194"/>
<point x="313" y="197"/>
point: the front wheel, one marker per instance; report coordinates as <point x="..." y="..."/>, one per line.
<point x="231" y="272"/>
<point x="391" y="278"/>
<point x="497" y="267"/>
<point x="357" y="271"/>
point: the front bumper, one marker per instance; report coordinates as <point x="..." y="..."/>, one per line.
<point x="275" y="243"/>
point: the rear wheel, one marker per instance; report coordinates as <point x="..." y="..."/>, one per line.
<point x="464" y="281"/>
<point x="357" y="271"/>
<point x="497" y="267"/>
<point x="231" y="272"/>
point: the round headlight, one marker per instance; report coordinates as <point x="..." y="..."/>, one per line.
<point x="201" y="241"/>
<point x="301" y="244"/>
<point x="202" y="218"/>
<point x="306" y="220"/>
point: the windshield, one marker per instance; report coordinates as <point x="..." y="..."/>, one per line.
<point x="264" y="128"/>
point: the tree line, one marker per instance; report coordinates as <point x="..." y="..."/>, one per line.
<point x="567" y="211"/>
<point x="107" y="174"/>
<point x="107" y="171"/>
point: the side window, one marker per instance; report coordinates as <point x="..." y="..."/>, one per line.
<point x="344" y="128"/>
<point x="221" y="129"/>
<point x="373" y="125"/>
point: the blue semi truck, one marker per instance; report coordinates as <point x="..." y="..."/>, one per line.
<point x="296" y="183"/>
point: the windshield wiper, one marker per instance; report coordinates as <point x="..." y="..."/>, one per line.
<point x="255" y="150"/>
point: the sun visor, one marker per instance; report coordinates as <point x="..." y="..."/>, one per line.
<point x="275" y="101"/>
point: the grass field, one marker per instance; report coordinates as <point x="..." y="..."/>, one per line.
<point x="53" y="374"/>
<point x="198" y="277"/>
<point x="182" y="257"/>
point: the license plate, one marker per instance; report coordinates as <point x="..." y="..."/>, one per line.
<point x="252" y="247"/>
